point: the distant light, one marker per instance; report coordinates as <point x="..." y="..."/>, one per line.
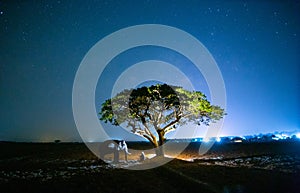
<point x="206" y="140"/>
<point x="298" y="135"/>
<point x="238" y="141"/>
<point x="218" y="139"/>
<point x="285" y="136"/>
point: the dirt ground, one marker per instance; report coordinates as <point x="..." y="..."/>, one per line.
<point x="71" y="167"/>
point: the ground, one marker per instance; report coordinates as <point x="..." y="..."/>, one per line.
<point x="71" y="167"/>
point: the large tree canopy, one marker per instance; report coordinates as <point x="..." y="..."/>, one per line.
<point x="153" y="111"/>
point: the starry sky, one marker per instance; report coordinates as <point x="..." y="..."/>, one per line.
<point x="256" y="45"/>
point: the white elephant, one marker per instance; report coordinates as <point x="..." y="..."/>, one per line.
<point x="113" y="146"/>
<point x="108" y="147"/>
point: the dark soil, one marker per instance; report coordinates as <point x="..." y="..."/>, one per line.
<point x="71" y="167"/>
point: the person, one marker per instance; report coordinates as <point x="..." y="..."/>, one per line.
<point x="123" y="146"/>
<point x="142" y="157"/>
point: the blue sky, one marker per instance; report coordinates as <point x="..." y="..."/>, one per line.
<point x="255" y="44"/>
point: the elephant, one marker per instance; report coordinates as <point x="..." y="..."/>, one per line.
<point x="113" y="146"/>
<point x="108" y="147"/>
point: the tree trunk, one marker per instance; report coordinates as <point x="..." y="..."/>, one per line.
<point x="116" y="156"/>
<point x="160" y="150"/>
<point x="158" y="145"/>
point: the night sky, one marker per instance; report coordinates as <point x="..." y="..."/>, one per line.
<point x="255" y="44"/>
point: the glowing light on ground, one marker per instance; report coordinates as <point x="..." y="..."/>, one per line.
<point x="238" y="141"/>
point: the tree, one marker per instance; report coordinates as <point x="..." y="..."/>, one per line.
<point x="152" y="112"/>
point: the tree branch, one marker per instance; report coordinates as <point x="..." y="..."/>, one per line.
<point x="171" y="123"/>
<point x="143" y="134"/>
<point x="151" y="140"/>
<point x="148" y="132"/>
<point x="169" y="129"/>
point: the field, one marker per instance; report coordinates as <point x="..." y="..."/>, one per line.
<point x="71" y="167"/>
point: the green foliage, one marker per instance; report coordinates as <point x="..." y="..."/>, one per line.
<point x="153" y="111"/>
